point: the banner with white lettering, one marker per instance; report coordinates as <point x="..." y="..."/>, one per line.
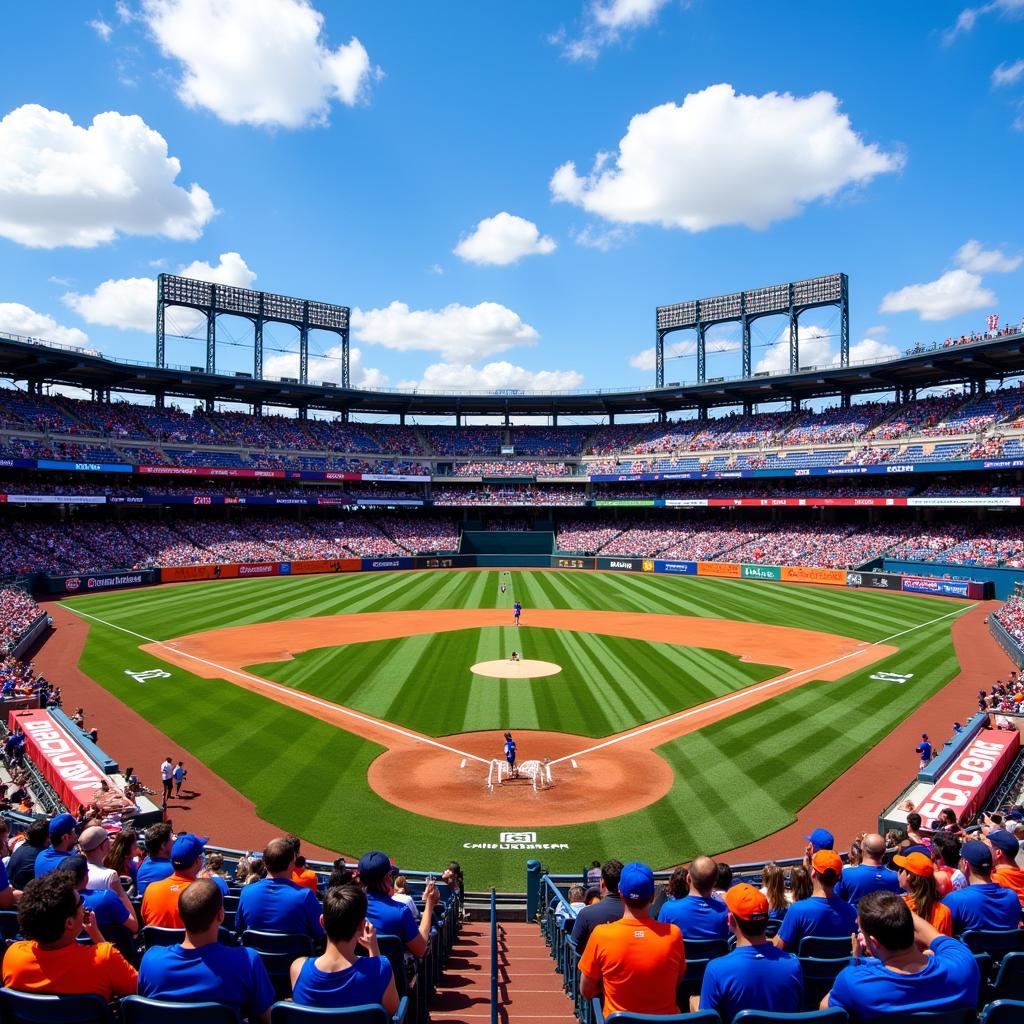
<point x="63" y="763"/>
<point x="967" y="783"/>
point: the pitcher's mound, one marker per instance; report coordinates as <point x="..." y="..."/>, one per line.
<point x="524" y="669"/>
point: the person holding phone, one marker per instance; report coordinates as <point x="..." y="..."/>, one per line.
<point x="51" y="916"/>
<point x="389" y="917"/>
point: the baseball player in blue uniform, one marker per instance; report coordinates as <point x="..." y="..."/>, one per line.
<point x="517" y="610"/>
<point x="510" y="754"/>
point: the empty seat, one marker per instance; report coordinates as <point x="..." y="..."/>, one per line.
<point x="39" y="1008"/>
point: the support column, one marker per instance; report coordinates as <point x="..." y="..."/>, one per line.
<point x="257" y="361"/>
<point x="844" y="321"/>
<point x="211" y="332"/>
<point x="159" y="400"/>
<point x="345" y="379"/>
<point x="794" y="335"/>
<point x="659" y="358"/>
<point x="702" y="354"/>
<point x="304" y="345"/>
<point x="745" y="322"/>
<point x="160" y="342"/>
<point x="844" y="400"/>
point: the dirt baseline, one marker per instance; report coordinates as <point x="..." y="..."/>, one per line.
<point x="444" y="778"/>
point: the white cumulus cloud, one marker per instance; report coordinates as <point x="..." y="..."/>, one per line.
<point x="819" y="348"/>
<point x="327" y="366"/>
<point x="503" y="239"/>
<point x="461" y="334"/>
<point x="971" y="256"/>
<point x="968" y="17"/>
<point x="647" y="359"/>
<point x="258" y="62"/>
<point x="955" y="292"/>
<point x="605" y="22"/>
<point x="1007" y="74"/>
<point x="726" y="158"/>
<point x="64" y="184"/>
<point x="491" y="376"/>
<point x="129" y="303"/>
<point x="16" y="318"/>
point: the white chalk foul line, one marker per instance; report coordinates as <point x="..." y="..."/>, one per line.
<point x="740" y="694"/>
<point x="315" y="701"/>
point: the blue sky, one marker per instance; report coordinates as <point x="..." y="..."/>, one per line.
<point x="594" y="158"/>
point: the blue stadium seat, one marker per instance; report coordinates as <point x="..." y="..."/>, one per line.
<point x="965" y="1015"/>
<point x="37" y="1008"/>
<point x="9" y="924"/>
<point x="153" y="936"/>
<point x="996" y="942"/>
<point x="819" y="973"/>
<point x="278" y="950"/>
<point x="833" y="1015"/>
<point x="290" y="1013"/>
<point x="138" y="1010"/>
<point x="699" y="953"/>
<point x="697" y="1017"/>
<point x="1003" y="1011"/>
<point x="825" y="948"/>
<point x="1009" y="983"/>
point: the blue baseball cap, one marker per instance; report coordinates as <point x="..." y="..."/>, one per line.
<point x="977" y="853"/>
<point x="187" y="849"/>
<point x="61" y="826"/>
<point x="821" y="839"/>
<point x="1000" y="839"/>
<point x="636" y="883"/>
<point x="374" y="866"/>
<point x="917" y="848"/>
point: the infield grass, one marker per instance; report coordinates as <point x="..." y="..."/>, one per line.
<point x="736" y="781"/>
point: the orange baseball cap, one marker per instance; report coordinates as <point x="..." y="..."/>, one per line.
<point x="746" y="902"/>
<point x="916" y="864"/>
<point x="827" y="860"/>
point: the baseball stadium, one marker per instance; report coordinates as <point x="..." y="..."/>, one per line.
<point x="493" y="693"/>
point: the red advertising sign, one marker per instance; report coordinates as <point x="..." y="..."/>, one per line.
<point x="805" y="502"/>
<point x="969" y="780"/>
<point x="262" y="474"/>
<point x="64" y="764"/>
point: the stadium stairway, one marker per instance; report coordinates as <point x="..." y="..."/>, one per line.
<point x="528" y="989"/>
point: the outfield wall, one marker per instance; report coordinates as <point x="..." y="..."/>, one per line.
<point x="1001" y="580"/>
<point x="85" y="583"/>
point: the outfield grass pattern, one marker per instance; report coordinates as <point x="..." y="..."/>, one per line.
<point x="736" y="781"/>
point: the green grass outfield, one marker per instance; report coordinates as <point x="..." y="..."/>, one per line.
<point x="737" y="780"/>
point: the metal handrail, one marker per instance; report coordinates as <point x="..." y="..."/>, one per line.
<point x="494" y="956"/>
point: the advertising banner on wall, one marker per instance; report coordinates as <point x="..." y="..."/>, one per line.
<point x="728" y="569"/>
<point x="621" y="564"/>
<point x="760" y="572"/>
<point x="311" y="565"/>
<point x="85" y="583"/>
<point x="932" y="585"/>
<point x="444" y="561"/>
<point x="874" y="580"/>
<point x="63" y="763"/>
<point x="379" y="564"/>
<point x="675" y="568"/>
<point x="812" y="574"/>
<point x="967" y="783"/>
<point x="563" y="562"/>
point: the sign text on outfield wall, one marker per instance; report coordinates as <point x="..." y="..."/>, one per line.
<point x="516" y="841"/>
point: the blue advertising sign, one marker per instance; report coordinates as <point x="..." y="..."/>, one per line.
<point x="85" y="467"/>
<point x="376" y="564"/>
<point x="932" y="585"/>
<point x="675" y="568"/>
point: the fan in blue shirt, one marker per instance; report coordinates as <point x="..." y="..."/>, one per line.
<point x="62" y="842"/>
<point x="870" y="876"/>
<point x="698" y="915"/>
<point x="157" y="865"/>
<point x="339" y="978"/>
<point x="982" y="903"/>
<point x="823" y="914"/>
<point x="755" y="975"/>
<point x="201" y="969"/>
<point x="388" y="916"/>
<point x="277" y="904"/>
<point x="897" y="978"/>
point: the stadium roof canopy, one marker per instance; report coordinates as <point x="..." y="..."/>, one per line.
<point x="36" y="362"/>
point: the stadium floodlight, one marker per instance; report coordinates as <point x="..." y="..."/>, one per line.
<point x="744" y="307"/>
<point x="213" y="300"/>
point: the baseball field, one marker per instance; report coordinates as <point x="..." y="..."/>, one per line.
<point x="677" y="715"/>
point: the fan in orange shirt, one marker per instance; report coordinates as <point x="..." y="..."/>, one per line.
<point x="1005" y="872"/>
<point x="917" y="878"/>
<point x="640" y="961"/>
<point x="160" y="903"/>
<point x="301" y="875"/>
<point x="52" y="915"/>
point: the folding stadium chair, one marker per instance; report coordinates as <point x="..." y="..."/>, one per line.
<point x="995" y="942"/>
<point x="35" y="1008"/>
<point x="819" y="974"/>
<point x="153" y="936"/>
<point x="1009" y="983"/>
<point x="698" y="1017"/>
<point x="824" y="948"/>
<point x="833" y="1015"/>
<point x="1003" y="1011"/>
<point x="138" y="1010"/>
<point x="278" y="950"/>
<point x="290" y="1013"/>
<point x="699" y="953"/>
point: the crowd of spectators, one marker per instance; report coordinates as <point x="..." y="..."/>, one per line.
<point x="18" y="612"/>
<point x="508" y="494"/>
<point x="512" y="467"/>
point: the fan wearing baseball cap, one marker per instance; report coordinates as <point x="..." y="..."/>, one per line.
<point x="639" y="961"/>
<point x="62" y="842"/>
<point x="1005" y="872"/>
<point x="160" y="904"/>
<point x="755" y="975"/>
<point x="388" y="916"/>
<point x="917" y="879"/>
<point x="908" y="967"/>
<point x="822" y="914"/>
<point x="982" y="903"/>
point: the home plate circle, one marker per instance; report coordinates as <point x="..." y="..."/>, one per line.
<point x="523" y="669"/>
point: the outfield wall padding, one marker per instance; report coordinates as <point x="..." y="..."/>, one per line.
<point x="507" y="542"/>
<point x="89" y="582"/>
<point x="1000" y="580"/>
